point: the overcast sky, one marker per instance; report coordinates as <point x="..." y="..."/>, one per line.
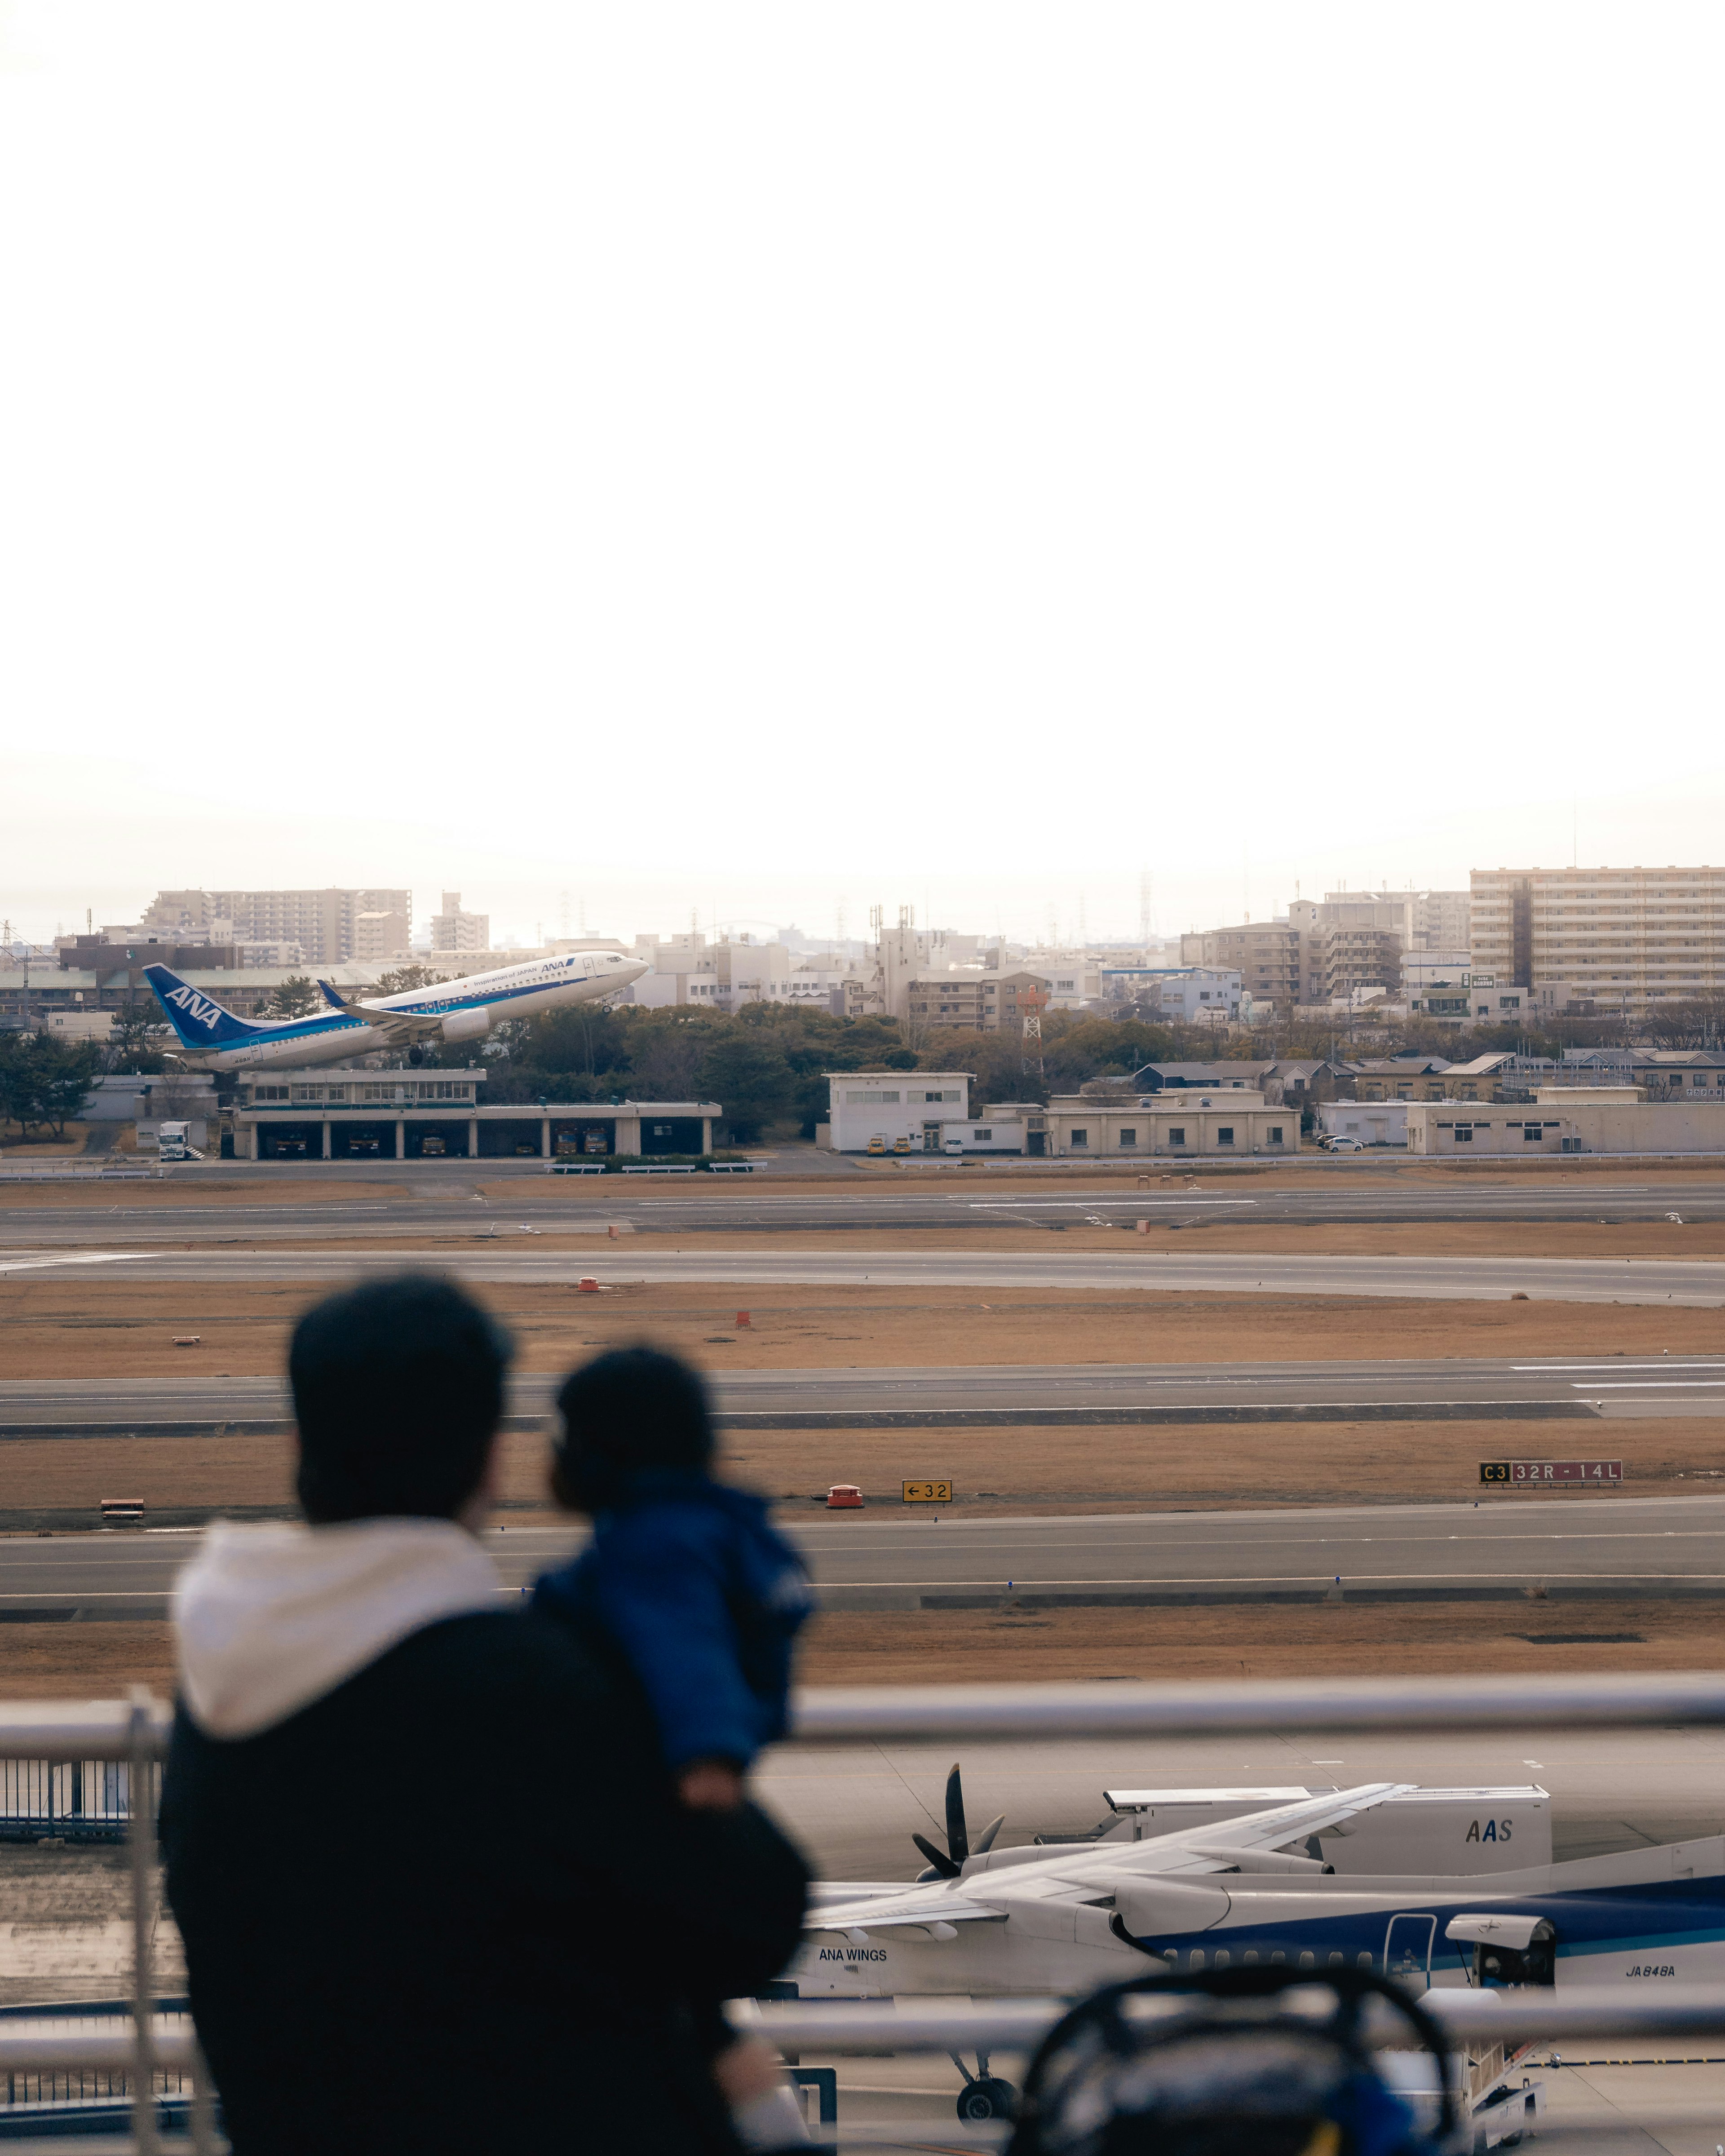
<point x="740" y="460"/>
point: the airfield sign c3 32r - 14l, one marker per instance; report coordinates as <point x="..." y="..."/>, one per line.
<point x="1596" y="1473"/>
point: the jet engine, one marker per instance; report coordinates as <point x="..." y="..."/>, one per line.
<point x="466" y="1025"/>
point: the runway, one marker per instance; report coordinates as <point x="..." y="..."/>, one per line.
<point x="1580" y="1550"/>
<point x="978" y="1395"/>
<point x="451" y="1204"/>
<point x="1696" y="1284"/>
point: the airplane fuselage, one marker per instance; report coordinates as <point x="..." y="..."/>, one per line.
<point x="1642" y="1916"/>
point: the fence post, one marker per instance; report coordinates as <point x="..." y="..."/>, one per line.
<point x="141" y="1843"/>
<point x="203" y="2104"/>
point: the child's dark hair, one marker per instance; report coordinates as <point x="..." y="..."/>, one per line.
<point x="629" y="1408"/>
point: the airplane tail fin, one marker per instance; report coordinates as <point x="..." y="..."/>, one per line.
<point x="334" y="1001"/>
<point x="197" y="1020"/>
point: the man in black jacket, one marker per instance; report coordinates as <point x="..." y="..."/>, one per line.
<point x="435" y="1889"/>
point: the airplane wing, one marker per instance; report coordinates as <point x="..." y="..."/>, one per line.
<point x="330" y="997"/>
<point x="398" y="1024"/>
<point x="935" y="1908"/>
<point x="1184" y="1850"/>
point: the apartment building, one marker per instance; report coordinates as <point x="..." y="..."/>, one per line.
<point x="381" y="935"/>
<point x="1360" y="957"/>
<point x="962" y="1003"/>
<point x="1419" y="920"/>
<point x="325" y="924"/>
<point x="1187" y="992"/>
<point x="1269" y="957"/>
<point x="1612" y="939"/>
<point x="453" y="930"/>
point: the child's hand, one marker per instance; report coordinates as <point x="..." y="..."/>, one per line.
<point x="711" y="1785"/>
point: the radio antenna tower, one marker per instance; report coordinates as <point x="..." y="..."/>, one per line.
<point x="1144" y="891"/>
<point x="1031" y="1003"/>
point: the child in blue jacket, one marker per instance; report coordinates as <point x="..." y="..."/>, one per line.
<point x="684" y="1575"/>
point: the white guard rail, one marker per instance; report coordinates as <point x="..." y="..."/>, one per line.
<point x="1019" y="2024"/>
<point x="860" y="1714"/>
<point x="136" y="1730"/>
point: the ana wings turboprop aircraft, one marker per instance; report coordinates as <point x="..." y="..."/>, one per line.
<point x="1060" y="1920"/>
<point x="213" y="1039"/>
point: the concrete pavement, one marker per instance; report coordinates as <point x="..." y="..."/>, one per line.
<point x="451" y="1204"/>
<point x="886" y="1558"/>
<point x="1693" y="1283"/>
<point x="975" y="1395"/>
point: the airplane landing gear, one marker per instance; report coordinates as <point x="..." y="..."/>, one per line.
<point x="984" y="2096"/>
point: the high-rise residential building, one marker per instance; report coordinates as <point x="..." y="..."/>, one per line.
<point x="453" y="930"/>
<point x="323" y="923"/>
<point x="1360" y="957"/>
<point x="1269" y="955"/>
<point x="1614" y="939"/>
<point x="1422" y="920"/>
<point x="381" y="935"/>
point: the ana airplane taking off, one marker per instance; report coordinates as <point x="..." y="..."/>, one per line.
<point x="213" y="1039"/>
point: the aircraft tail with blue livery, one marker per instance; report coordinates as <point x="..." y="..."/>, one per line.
<point x="213" y="1038"/>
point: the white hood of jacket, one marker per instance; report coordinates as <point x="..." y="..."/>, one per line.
<point x="271" y="1617"/>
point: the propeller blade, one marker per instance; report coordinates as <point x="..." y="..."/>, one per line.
<point x="985" y="1841"/>
<point x="941" y="1863"/>
<point x="957" y="1835"/>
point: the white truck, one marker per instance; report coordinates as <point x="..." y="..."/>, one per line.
<point x="173" y="1142"/>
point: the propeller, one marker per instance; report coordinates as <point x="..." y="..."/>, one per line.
<point x="947" y="1863"/>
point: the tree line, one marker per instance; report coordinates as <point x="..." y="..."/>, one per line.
<point x="44" y="1082"/>
<point x="765" y="1063"/>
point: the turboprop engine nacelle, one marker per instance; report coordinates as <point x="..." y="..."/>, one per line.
<point x="1150" y="1906"/>
<point x="1260" y="1860"/>
<point x="466" y="1025"/>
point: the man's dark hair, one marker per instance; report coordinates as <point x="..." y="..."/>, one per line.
<point x="398" y="1390"/>
<point x="629" y="1408"/>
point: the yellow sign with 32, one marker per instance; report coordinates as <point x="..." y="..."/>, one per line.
<point x="928" y="1493"/>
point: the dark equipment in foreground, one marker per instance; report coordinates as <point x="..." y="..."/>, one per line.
<point x="1266" y="2062"/>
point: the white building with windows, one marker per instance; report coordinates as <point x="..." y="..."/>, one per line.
<point x="454" y="930"/>
<point x="906" y="1110"/>
<point x="1229" y="1123"/>
<point x="1187" y="992"/>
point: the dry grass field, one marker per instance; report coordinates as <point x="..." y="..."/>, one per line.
<point x="90" y="1661"/>
<point x="68" y="1323"/>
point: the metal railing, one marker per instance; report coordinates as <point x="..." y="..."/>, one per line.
<point x="70" y="1799"/>
<point x="133" y="1732"/>
<point x="132" y="1735"/>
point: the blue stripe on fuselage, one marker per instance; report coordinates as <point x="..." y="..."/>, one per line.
<point x="1641" y="1919"/>
<point x="444" y="1005"/>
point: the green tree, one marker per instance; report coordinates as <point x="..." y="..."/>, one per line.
<point x="16" y="1096"/>
<point x="994" y="1060"/>
<point x="403" y="980"/>
<point x="44" y="1082"/>
<point x="752" y="1081"/>
<point x="297" y="997"/>
<point x="65" y="1071"/>
<point x="665" y="1047"/>
<point x="138" y="1036"/>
